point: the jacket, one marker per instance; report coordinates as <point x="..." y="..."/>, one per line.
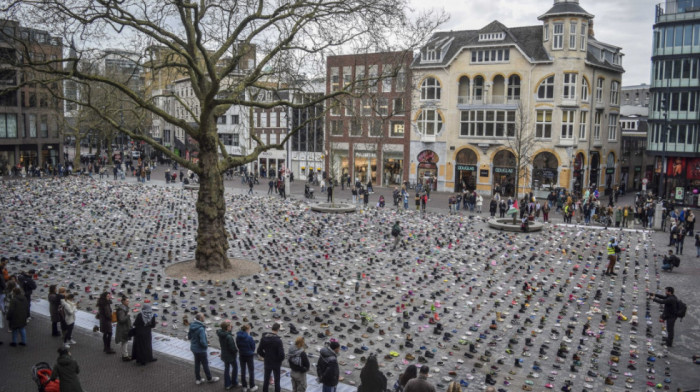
<point x="69" y="310"/>
<point x="245" y="343"/>
<point x="272" y="349"/>
<point x="229" y="351"/>
<point x="54" y="301"/>
<point x="123" y="324"/>
<point x="305" y="365"/>
<point x="66" y="370"/>
<point x="197" y="337"/>
<point x="327" y="368"/>
<point x="670" y="304"/>
<point x="419" y="384"/>
<point x="104" y="314"/>
<point x="28" y="285"/>
<point x="18" y="312"/>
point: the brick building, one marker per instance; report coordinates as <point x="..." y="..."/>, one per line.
<point x="367" y="131"/>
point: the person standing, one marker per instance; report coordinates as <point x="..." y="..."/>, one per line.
<point x="668" y="316"/>
<point x="697" y="244"/>
<point x="69" y="308"/>
<point x="420" y="384"/>
<point x="17" y="315"/>
<point x="327" y="368"/>
<point x="229" y="351"/>
<point x="250" y="186"/>
<point x="680" y="239"/>
<point x="329" y="190"/>
<point x="479" y="203"/>
<point x="371" y="378"/>
<point x="66" y="370"/>
<point x="612" y="258"/>
<point x="272" y="351"/>
<point x="246" y="352"/>
<point x="104" y="314"/>
<point x="28" y="285"/>
<point x="54" y="303"/>
<point x="396" y="233"/>
<point x="271" y="185"/>
<point x="198" y="345"/>
<point x="690" y="223"/>
<point x="299" y="364"/>
<point x="142" y="350"/>
<point x="121" y="336"/>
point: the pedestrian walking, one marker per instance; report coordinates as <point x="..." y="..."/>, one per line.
<point x="229" y="352"/>
<point x="246" y="351"/>
<point x="299" y="364"/>
<point x="271" y="350"/>
<point x="198" y="345"/>
<point x="104" y="315"/>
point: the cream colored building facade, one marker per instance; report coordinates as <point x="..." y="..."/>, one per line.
<point x="475" y="90"/>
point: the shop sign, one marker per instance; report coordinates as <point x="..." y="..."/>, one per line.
<point x="637" y="169"/>
<point x="428" y="156"/>
<point x="680" y="192"/>
<point x="609" y="171"/>
<point x="504" y="170"/>
<point x="548" y="172"/>
<point x="484" y="173"/>
<point x="471" y="168"/>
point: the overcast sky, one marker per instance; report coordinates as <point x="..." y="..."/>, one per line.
<point x="624" y="23"/>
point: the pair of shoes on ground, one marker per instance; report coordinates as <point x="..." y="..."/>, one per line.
<point x="213" y="379"/>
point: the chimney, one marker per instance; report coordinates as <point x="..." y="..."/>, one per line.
<point x="591" y="33"/>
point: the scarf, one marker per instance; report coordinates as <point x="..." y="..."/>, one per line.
<point x="146" y="313"/>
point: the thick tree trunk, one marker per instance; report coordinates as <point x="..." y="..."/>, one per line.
<point x="76" y="157"/>
<point x="212" y="238"/>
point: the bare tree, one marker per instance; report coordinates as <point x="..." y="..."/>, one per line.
<point x="211" y="43"/>
<point x="522" y="143"/>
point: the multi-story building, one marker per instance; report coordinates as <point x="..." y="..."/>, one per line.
<point x="636" y="167"/>
<point x="675" y="101"/>
<point x="366" y="136"/>
<point x="307" y="145"/>
<point x="638" y="95"/>
<point x="30" y="118"/>
<point x="476" y="91"/>
<point x="271" y="125"/>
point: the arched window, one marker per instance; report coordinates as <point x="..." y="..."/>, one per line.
<point x="514" y="87"/>
<point x="430" y="90"/>
<point x="584" y="90"/>
<point x="546" y="89"/>
<point x="429" y="122"/>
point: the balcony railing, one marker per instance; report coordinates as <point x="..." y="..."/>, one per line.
<point x="428" y="138"/>
<point x="488" y="100"/>
<point x="673" y="9"/>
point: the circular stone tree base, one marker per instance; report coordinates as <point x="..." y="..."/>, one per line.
<point x="240" y="269"/>
<point x="506" y="224"/>
<point x="333" y="208"/>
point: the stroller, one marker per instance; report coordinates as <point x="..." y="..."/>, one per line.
<point x="308" y="191"/>
<point x="41" y="374"/>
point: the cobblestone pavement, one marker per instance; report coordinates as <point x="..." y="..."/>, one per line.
<point x="563" y="262"/>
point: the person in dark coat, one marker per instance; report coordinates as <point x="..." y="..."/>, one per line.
<point x="421" y="383"/>
<point x="104" y="314"/>
<point x="142" y="350"/>
<point x="17" y="314"/>
<point x="28" y="285"/>
<point x="54" y="301"/>
<point x="492" y="207"/>
<point x="299" y="365"/>
<point x="121" y="336"/>
<point x="66" y="370"/>
<point x="670" y="303"/>
<point x="272" y="350"/>
<point x="229" y="352"/>
<point x="371" y="378"/>
<point x="327" y="368"/>
<point x="246" y="352"/>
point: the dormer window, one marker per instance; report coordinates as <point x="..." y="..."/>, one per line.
<point x="616" y="59"/>
<point x="492" y="36"/>
<point x="435" y="51"/>
<point x="431" y="55"/>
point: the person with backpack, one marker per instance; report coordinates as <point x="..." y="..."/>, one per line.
<point x="229" y="352"/>
<point x="396" y="233"/>
<point x="271" y="350"/>
<point x="613" y="250"/>
<point x="670" y="262"/>
<point x="299" y="364"/>
<point x="327" y="368"/>
<point x="104" y="315"/>
<point x="670" y="313"/>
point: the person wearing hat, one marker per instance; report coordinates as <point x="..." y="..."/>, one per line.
<point x="66" y="370"/>
<point x="327" y="367"/>
<point x="142" y="350"/>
